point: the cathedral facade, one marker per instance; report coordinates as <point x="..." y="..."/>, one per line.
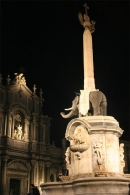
<point x="26" y="155"/>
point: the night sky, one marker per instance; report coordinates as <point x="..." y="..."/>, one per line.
<point x="46" y="38"/>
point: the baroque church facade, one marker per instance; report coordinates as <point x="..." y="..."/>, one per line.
<point x="26" y="155"/>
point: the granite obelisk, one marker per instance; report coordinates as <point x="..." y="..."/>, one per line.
<point x="89" y="82"/>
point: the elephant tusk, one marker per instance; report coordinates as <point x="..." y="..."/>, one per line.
<point x="68" y="108"/>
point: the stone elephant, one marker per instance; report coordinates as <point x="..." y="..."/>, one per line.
<point x="97" y="105"/>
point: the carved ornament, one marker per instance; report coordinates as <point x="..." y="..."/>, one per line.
<point x="79" y="142"/>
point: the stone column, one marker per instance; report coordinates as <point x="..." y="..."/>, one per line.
<point x="9" y="125"/>
<point x="21" y="186"/>
<point x="28" y="179"/>
<point x="32" y="170"/>
<point x="5" y="125"/>
<point x="4" y="172"/>
<point x="7" y="184"/>
<point x="47" y="172"/>
<point x="44" y="133"/>
<point x="41" y="172"/>
<point x="48" y="133"/>
<point x="26" y="130"/>
<point x="36" y="175"/>
<point x="41" y="132"/>
<point x="55" y="177"/>
<point x="1" y="124"/>
<point x="12" y="126"/>
<point x="34" y="127"/>
<point x="24" y="187"/>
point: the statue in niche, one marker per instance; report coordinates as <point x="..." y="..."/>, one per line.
<point x="17" y="132"/>
<point x="14" y="135"/>
<point x="17" y="122"/>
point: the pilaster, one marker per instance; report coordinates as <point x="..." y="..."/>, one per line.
<point x="47" y="165"/>
<point x="4" y="173"/>
<point x="33" y="163"/>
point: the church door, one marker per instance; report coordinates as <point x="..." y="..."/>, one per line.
<point x="14" y="187"/>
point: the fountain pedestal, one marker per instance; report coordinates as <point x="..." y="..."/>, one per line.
<point x="94" y="159"/>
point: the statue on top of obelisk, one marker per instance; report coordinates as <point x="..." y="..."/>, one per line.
<point x="91" y="101"/>
<point x="85" y="20"/>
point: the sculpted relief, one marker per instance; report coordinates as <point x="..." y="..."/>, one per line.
<point x="19" y="165"/>
<point x="80" y="141"/>
<point x="97" y="146"/>
<point x="122" y="162"/>
<point x="68" y="156"/>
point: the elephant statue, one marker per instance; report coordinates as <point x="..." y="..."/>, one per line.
<point x="97" y="105"/>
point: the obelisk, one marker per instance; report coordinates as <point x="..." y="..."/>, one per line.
<point x="89" y="82"/>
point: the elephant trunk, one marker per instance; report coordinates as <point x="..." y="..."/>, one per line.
<point x="70" y="114"/>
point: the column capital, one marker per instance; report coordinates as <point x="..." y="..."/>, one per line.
<point x="5" y="158"/>
<point x="33" y="162"/>
<point x="41" y="165"/>
<point x="47" y="164"/>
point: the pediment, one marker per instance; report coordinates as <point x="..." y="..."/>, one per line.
<point x="18" y="165"/>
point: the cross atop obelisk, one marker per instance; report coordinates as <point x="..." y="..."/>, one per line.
<point x="86" y="8"/>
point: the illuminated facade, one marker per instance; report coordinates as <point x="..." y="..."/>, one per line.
<point x="26" y="155"/>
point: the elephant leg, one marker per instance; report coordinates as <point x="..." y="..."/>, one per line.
<point x="95" y="99"/>
<point x="95" y="107"/>
<point x="96" y="110"/>
<point x="103" y="108"/>
<point x="90" y="111"/>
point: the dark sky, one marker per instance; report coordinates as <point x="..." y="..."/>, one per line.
<point x="46" y="38"/>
